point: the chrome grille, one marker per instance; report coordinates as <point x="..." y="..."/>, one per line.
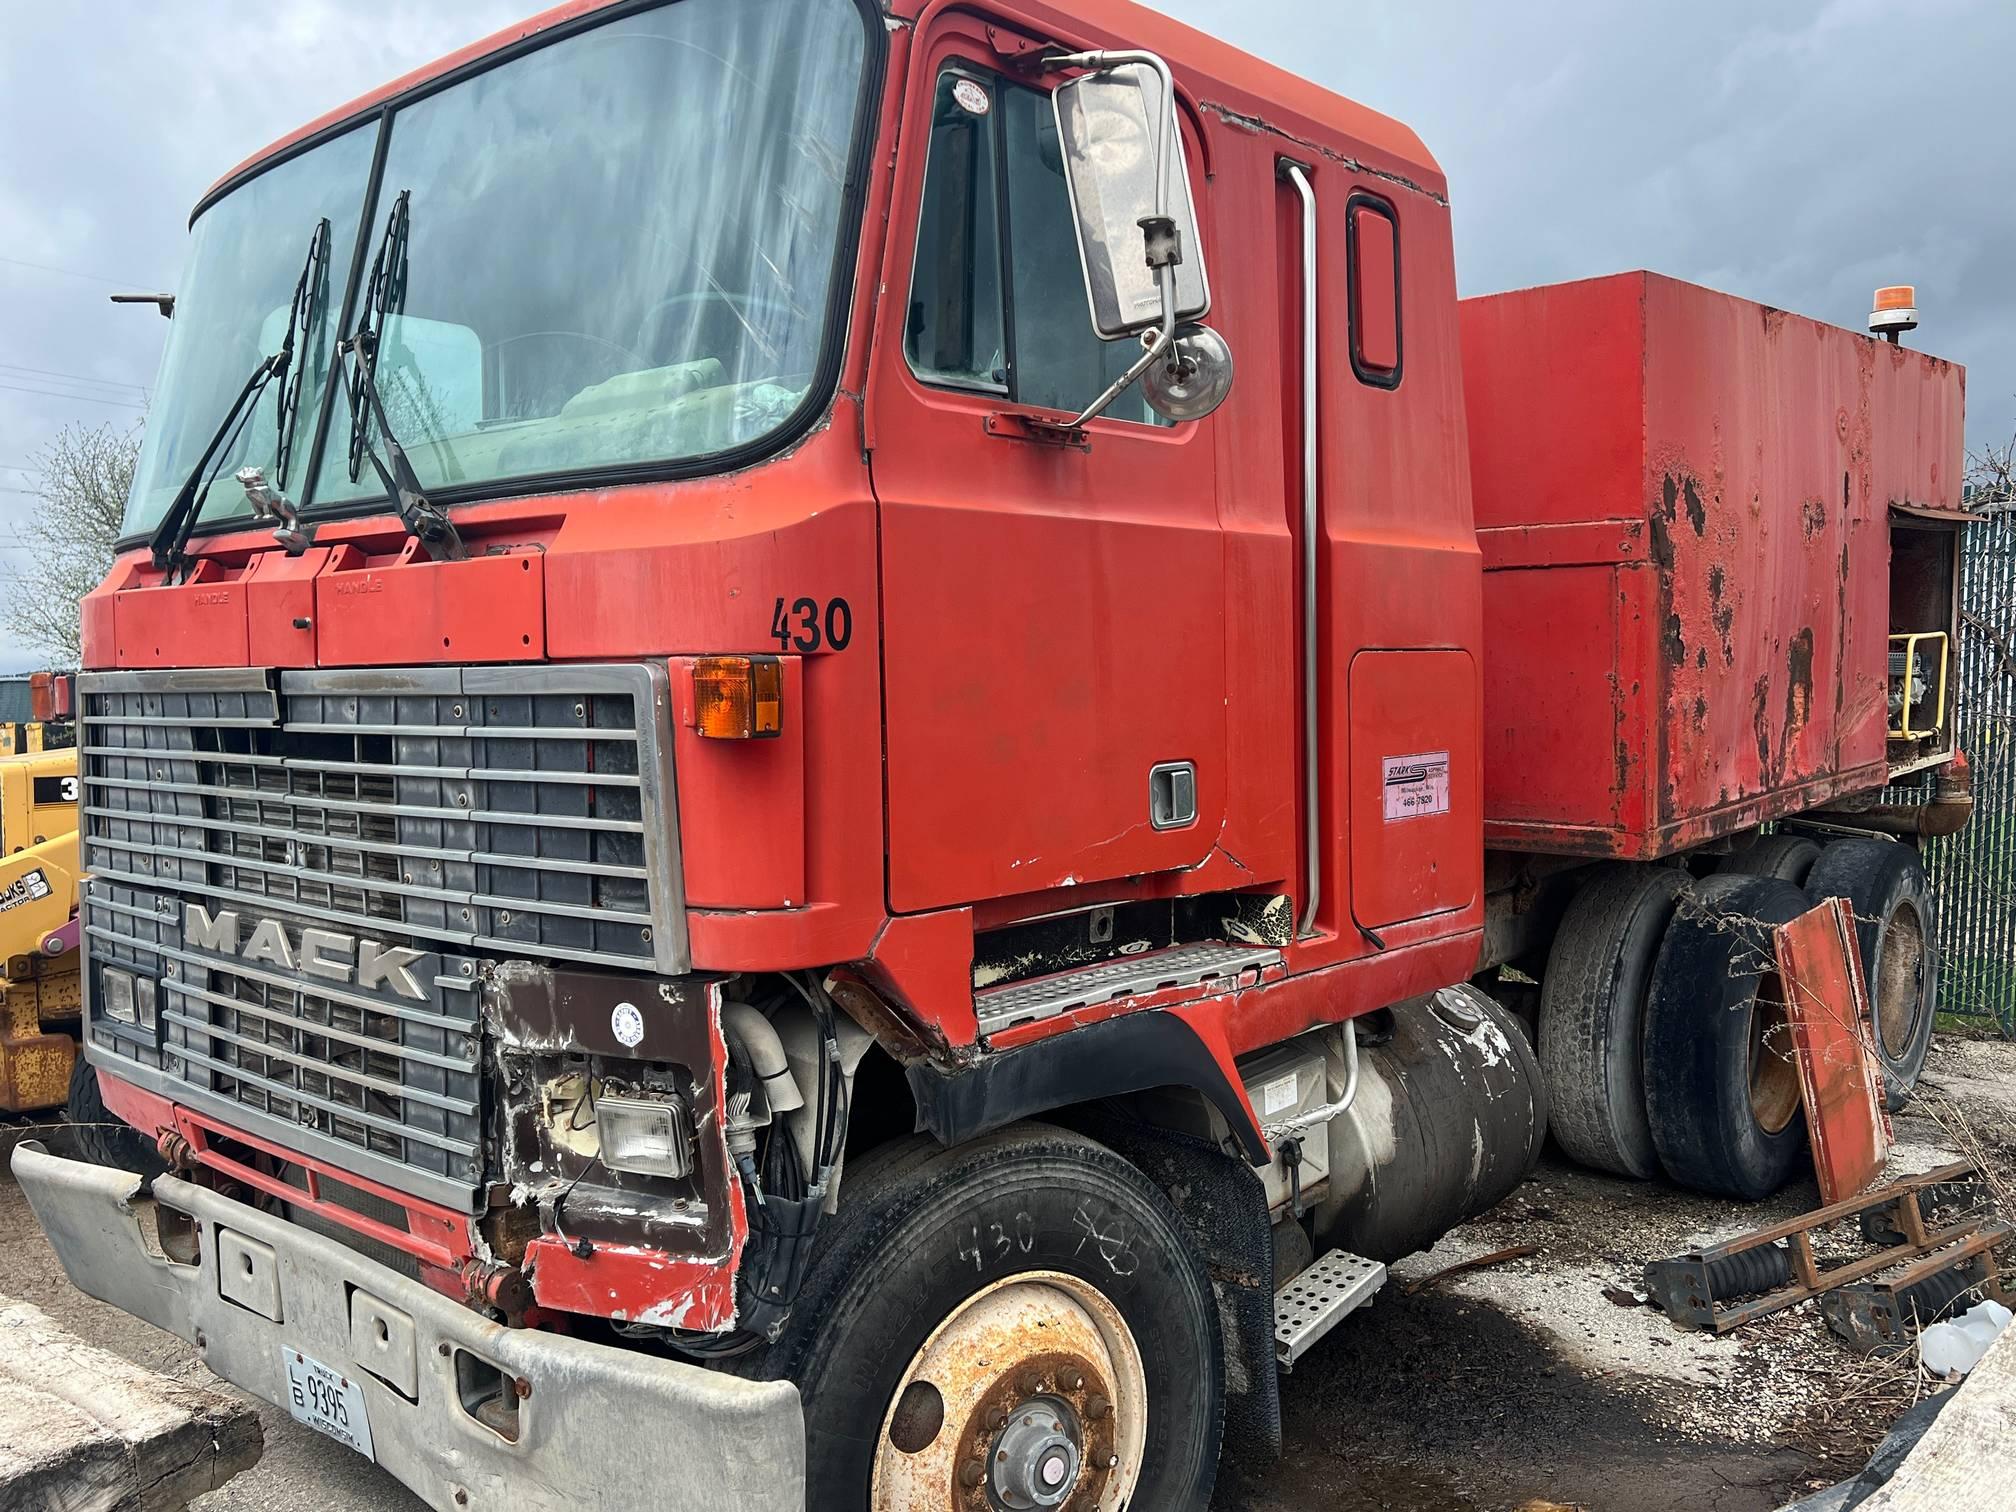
<point x="377" y="1083"/>
<point x="521" y="810"/>
<point x="459" y="812"/>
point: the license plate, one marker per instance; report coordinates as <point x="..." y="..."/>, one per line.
<point x="327" y="1401"/>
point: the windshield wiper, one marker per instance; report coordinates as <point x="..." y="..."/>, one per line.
<point x="384" y="293"/>
<point x="309" y="293"/>
<point x="170" y="542"/>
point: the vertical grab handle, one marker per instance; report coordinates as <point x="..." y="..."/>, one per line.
<point x="1312" y="786"/>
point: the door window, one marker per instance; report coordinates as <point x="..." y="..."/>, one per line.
<point x="997" y="295"/>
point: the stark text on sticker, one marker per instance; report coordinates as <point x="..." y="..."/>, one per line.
<point x="1416" y="786"/>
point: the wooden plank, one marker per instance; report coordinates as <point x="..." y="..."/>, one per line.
<point x="82" y="1430"/>
<point x="1963" y="1461"/>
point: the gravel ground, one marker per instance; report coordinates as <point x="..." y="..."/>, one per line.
<point x="1518" y="1386"/>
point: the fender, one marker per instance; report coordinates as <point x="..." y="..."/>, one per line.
<point x="1132" y="1053"/>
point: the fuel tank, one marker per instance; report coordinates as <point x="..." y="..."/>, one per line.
<point x="1448" y="1119"/>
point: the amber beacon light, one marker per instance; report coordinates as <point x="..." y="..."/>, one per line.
<point x="738" y="697"/>
<point x="1895" y="312"/>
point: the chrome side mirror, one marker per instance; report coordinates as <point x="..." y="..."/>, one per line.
<point x="1136" y="221"/>
<point x="1192" y="377"/>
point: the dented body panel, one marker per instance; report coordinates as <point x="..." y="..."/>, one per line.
<point x="1683" y="500"/>
<point x="628" y="1250"/>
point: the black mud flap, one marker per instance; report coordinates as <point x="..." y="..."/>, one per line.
<point x="1224" y="1206"/>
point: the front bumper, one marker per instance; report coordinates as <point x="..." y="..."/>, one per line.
<point x="596" y="1426"/>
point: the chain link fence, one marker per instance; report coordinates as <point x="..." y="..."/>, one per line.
<point x="1974" y="872"/>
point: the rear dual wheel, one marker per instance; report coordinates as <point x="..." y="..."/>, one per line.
<point x="1721" y="1081"/>
<point x="1592" y="1015"/>
<point x="1016" y="1324"/>
<point x="1663" y="1030"/>
<point x="1884" y="883"/>
<point x="1789" y="858"/>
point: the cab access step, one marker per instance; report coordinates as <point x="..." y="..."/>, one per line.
<point x="1045" y="997"/>
<point x="1315" y="1301"/>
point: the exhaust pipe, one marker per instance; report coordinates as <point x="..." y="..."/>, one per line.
<point x="1946" y="813"/>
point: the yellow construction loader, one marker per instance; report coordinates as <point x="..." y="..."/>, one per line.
<point x="39" y="997"/>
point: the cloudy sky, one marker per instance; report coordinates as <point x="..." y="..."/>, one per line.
<point x="1796" y="152"/>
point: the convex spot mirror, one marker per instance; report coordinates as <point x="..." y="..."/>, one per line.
<point x="1113" y="126"/>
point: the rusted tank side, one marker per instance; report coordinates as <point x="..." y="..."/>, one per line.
<point x="1683" y="501"/>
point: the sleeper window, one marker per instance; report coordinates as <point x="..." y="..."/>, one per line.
<point x="1373" y="233"/>
<point x="1005" y="313"/>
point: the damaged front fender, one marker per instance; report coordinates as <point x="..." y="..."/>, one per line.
<point x="634" y="1248"/>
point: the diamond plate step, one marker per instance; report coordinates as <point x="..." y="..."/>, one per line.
<point x="1316" y="1301"/>
<point x="1179" y="966"/>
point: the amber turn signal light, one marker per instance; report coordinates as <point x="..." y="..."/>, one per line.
<point x="738" y="697"/>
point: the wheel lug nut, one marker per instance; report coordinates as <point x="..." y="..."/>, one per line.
<point x="970" y="1474"/>
<point x="1097" y="1407"/>
<point x="1031" y="1383"/>
<point x="997" y="1419"/>
<point x="1074" y="1380"/>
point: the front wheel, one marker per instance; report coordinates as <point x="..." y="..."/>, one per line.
<point x="1020" y="1323"/>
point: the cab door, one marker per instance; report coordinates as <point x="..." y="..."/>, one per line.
<point x="1053" y="606"/>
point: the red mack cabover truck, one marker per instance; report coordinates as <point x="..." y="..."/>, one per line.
<point x="754" y="841"/>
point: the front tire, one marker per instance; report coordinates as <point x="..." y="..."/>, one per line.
<point x="1017" y="1322"/>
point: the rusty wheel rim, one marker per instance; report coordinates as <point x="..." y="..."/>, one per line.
<point x="1774" y="1072"/>
<point x="1030" y="1397"/>
<point x="1900" y="981"/>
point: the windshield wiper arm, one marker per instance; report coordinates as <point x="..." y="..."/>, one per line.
<point x="308" y="295"/>
<point x="383" y="294"/>
<point x="170" y="542"/>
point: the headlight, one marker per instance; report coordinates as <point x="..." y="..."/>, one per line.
<point x="645" y="1137"/>
<point x="126" y="998"/>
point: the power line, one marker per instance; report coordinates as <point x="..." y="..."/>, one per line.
<point x="49" y="393"/>
<point x="117" y="283"/>
<point x="16" y="367"/>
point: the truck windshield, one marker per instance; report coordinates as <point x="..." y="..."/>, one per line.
<point x="621" y="252"/>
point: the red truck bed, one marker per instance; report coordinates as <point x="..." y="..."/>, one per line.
<point x="1685" y="504"/>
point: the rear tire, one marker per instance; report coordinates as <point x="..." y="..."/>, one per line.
<point x="1789" y="858"/>
<point x="935" y="1245"/>
<point x="98" y="1135"/>
<point x="1592" y="1015"/>
<point x="1884" y="883"/>
<point x="1721" y="1084"/>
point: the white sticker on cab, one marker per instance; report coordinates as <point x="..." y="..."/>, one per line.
<point x="1416" y="786"/>
<point x="1278" y="1095"/>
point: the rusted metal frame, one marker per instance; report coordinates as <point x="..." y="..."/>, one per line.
<point x="1983" y="1242"/>
<point x="1918" y="1242"/>
<point x="1579" y="543"/>
<point x="1883" y="1313"/>
<point x="1814" y="1281"/>
<point x="1848" y="1207"/>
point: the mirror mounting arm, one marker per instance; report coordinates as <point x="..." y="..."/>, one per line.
<point x="1162" y="246"/>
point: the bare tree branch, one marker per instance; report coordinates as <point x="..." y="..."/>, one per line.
<point x="1991" y="477"/>
<point x="83" y="478"/>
